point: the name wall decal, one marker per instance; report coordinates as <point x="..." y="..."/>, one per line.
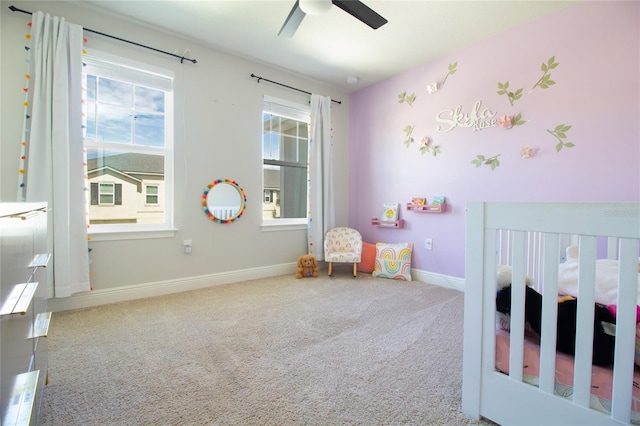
<point x="479" y="118"/>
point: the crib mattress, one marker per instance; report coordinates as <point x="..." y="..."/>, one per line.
<point x="601" y="378"/>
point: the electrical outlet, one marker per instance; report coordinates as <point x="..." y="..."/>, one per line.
<point x="428" y="244"/>
<point x="186" y="246"/>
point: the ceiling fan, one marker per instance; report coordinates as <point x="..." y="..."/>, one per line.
<point x="355" y="8"/>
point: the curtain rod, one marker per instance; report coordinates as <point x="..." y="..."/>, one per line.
<point x="288" y="87"/>
<point x="182" y="58"/>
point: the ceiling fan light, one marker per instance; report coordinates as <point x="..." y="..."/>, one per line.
<point x="315" y="7"/>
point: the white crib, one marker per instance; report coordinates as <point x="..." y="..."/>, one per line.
<point x="506" y="398"/>
<point x="224" y="212"/>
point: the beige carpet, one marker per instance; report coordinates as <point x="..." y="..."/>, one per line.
<point x="278" y="351"/>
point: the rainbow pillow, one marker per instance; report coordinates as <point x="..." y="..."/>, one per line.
<point x="393" y="261"/>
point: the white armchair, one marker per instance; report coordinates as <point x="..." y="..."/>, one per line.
<point x="343" y="245"/>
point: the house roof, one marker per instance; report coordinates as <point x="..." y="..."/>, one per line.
<point x="129" y="163"/>
<point x="271" y="179"/>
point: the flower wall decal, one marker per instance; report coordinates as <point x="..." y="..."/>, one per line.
<point x="402" y="97"/>
<point x="513" y="96"/>
<point x="545" y="81"/>
<point x="517" y="120"/>
<point x="433" y="87"/>
<point x="426" y="146"/>
<point x="452" y="70"/>
<point x="408" y="130"/>
<point x="491" y="161"/>
<point x="505" y="121"/>
<point x="560" y="133"/>
<point x="527" y="152"/>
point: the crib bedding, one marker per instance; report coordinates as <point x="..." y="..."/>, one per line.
<point x="601" y="379"/>
<point x="606" y="279"/>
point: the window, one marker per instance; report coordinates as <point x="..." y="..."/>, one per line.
<point x="128" y="139"/>
<point x="285" y="148"/>
<point x="152" y="195"/>
<point x="106" y="194"/>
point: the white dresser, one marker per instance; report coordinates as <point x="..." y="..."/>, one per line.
<point x="24" y="320"/>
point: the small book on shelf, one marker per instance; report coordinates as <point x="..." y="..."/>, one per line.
<point x="437" y="200"/>
<point x="419" y="201"/>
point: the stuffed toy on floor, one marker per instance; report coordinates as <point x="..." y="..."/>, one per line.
<point x="603" y="341"/>
<point x="307" y="266"/>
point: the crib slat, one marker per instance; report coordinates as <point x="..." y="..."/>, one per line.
<point x="489" y="300"/>
<point x="474" y="300"/>
<point x="625" y="330"/>
<point x="584" y="321"/>
<point x="516" y="344"/>
<point x="549" y="313"/>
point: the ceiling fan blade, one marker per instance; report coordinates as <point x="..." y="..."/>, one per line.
<point x="361" y="11"/>
<point x="292" y="22"/>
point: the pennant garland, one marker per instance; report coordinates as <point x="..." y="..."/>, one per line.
<point x="85" y="171"/>
<point x="25" y="123"/>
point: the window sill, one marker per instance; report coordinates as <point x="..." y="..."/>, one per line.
<point x="276" y="226"/>
<point x="131" y="235"/>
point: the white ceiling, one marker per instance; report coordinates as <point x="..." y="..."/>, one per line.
<point x="334" y="46"/>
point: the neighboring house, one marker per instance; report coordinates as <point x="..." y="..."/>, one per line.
<point x="271" y="201"/>
<point x="126" y="188"/>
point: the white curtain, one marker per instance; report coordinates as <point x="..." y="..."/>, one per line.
<point x="321" y="212"/>
<point x="55" y="170"/>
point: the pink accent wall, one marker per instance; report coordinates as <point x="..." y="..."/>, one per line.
<point x="597" y="92"/>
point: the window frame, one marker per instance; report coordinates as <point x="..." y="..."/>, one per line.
<point x="149" y="76"/>
<point x="294" y="111"/>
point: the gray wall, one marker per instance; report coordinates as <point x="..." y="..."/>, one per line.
<point x="217" y="136"/>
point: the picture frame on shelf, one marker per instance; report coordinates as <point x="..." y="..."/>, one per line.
<point x="389" y="212"/>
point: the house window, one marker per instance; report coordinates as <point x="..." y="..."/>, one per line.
<point x="152" y="195"/>
<point x="128" y="137"/>
<point x="285" y="148"/>
<point x="106" y="194"/>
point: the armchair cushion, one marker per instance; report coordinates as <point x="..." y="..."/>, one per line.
<point x="393" y="261"/>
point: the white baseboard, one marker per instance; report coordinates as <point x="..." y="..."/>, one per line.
<point x="159" y="288"/>
<point x="441" y="280"/>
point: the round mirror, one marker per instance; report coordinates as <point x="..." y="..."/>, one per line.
<point x="224" y="201"/>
